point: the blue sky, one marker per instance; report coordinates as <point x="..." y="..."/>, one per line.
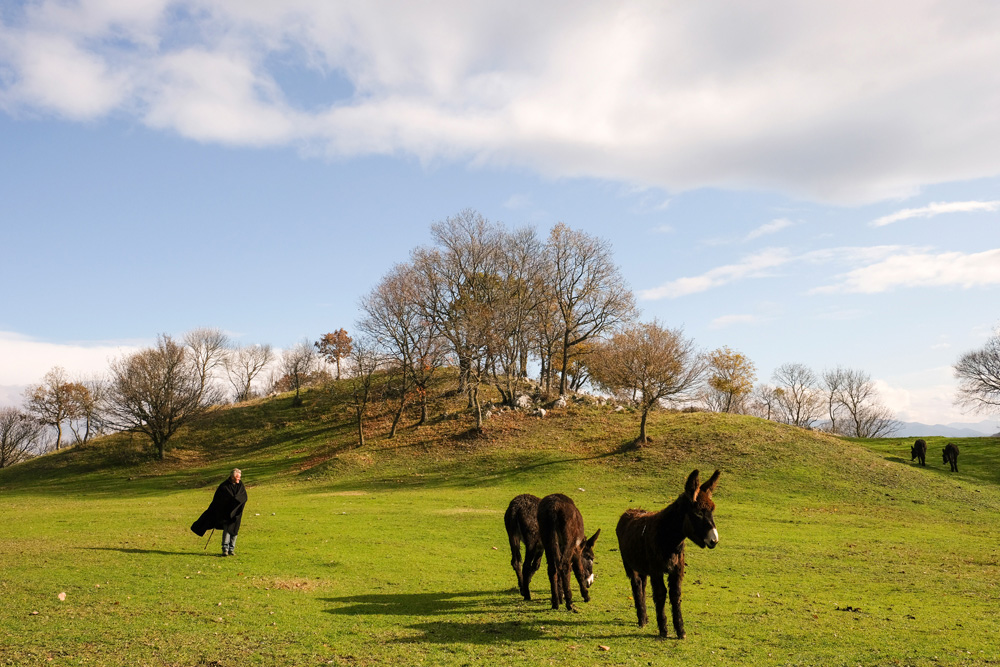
<point x="804" y="182"/>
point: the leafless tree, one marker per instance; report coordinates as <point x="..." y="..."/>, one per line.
<point x="154" y="391"/>
<point x="764" y="401"/>
<point x="866" y="417"/>
<point x="978" y="375"/>
<point x="297" y="363"/>
<point x="394" y="319"/>
<point x="19" y="433"/>
<point x="208" y="348"/>
<point x="645" y="364"/>
<point x="244" y="364"/>
<point x="54" y="401"/>
<point x="833" y="382"/>
<point x="366" y="361"/>
<point x="88" y="416"/>
<point x="589" y="290"/>
<point x="798" y="398"/>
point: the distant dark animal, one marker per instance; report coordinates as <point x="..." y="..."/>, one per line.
<point x="652" y="544"/>
<point x="951" y="456"/>
<point x="521" y="521"/>
<point x="919" y="451"/>
<point x="560" y="525"/>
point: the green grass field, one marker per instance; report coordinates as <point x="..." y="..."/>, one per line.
<point x="832" y="552"/>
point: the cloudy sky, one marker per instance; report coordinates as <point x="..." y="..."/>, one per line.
<point x="809" y="182"/>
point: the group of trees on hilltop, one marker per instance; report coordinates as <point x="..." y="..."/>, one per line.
<point x="492" y="300"/>
<point x="496" y="305"/>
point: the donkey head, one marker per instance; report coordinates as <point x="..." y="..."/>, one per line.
<point x="699" y="519"/>
<point x="587" y="559"/>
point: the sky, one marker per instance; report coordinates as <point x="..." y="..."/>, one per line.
<point x="815" y="183"/>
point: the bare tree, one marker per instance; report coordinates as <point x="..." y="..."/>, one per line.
<point x="333" y="347"/>
<point x="53" y="401"/>
<point x="645" y="364"/>
<point x="207" y="348"/>
<point x="798" y="398"/>
<point x="297" y="364"/>
<point x="867" y="417"/>
<point x="589" y="290"/>
<point x="764" y="401"/>
<point x="154" y="391"/>
<point x="978" y="375"/>
<point x="88" y="417"/>
<point x="833" y="381"/>
<point x="19" y="432"/>
<point x="394" y="320"/>
<point x="367" y="361"/>
<point x="243" y="364"/>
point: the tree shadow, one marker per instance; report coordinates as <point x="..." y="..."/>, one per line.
<point x="409" y="604"/>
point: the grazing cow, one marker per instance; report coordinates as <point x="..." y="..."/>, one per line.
<point x="951" y="456"/>
<point x="566" y="547"/>
<point x="919" y="451"/>
<point x="521" y="521"/>
<point x="652" y="544"/>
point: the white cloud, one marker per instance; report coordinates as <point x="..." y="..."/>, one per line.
<point x="806" y="98"/>
<point x="769" y="228"/>
<point x="26" y="360"/>
<point x="920" y="269"/>
<point x="937" y="208"/>
<point x="755" y="266"/>
<point x="663" y="229"/>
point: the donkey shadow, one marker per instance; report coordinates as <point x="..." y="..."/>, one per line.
<point x="446" y="604"/>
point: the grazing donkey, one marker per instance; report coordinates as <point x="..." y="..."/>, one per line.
<point x="919" y="451"/>
<point x="521" y="521"/>
<point x="652" y="544"/>
<point x="951" y="456"/>
<point x="566" y="547"/>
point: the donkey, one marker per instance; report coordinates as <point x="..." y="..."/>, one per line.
<point x="521" y="521"/>
<point x="919" y="451"/>
<point x="566" y="547"/>
<point x="951" y="456"/>
<point x="652" y="544"/>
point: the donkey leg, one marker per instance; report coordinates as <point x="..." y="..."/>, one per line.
<point x="674" y="579"/>
<point x="515" y="560"/>
<point x="532" y="560"/>
<point x="639" y="596"/>
<point x="554" y="583"/>
<point x="659" y="601"/>
<point x="565" y="587"/>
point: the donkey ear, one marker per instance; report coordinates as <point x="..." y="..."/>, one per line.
<point x="691" y="486"/>
<point x="709" y="486"/>
<point x="593" y="539"/>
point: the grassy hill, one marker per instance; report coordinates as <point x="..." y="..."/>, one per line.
<point x="831" y="552"/>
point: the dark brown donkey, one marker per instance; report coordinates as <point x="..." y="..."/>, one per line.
<point x="951" y="456"/>
<point x="652" y="544"/>
<point x="521" y="521"/>
<point x="566" y="547"/>
<point x="919" y="451"/>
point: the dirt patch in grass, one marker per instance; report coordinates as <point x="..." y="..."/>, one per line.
<point x="302" y="585"/>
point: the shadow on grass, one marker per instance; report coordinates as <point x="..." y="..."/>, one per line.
<point x="410" y="604"/>
<point x="539" y="620"/>
<point x="160" y="552"/>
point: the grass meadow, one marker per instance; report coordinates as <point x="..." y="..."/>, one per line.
<point x="832" y="552"/>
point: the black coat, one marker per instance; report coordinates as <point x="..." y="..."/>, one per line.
<point x="226" y="510"/>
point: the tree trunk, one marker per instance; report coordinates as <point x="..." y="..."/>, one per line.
<point x="474" y="398"/>
<point x="642" y="426"/>
<point x="565" y="364"/>
<point x="399" y="411"/>
<point x="361" y="426"/>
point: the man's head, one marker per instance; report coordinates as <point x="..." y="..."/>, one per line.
<point x="236" y="474"/>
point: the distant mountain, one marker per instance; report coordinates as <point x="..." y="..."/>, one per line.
<point x="953" y="430"/>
